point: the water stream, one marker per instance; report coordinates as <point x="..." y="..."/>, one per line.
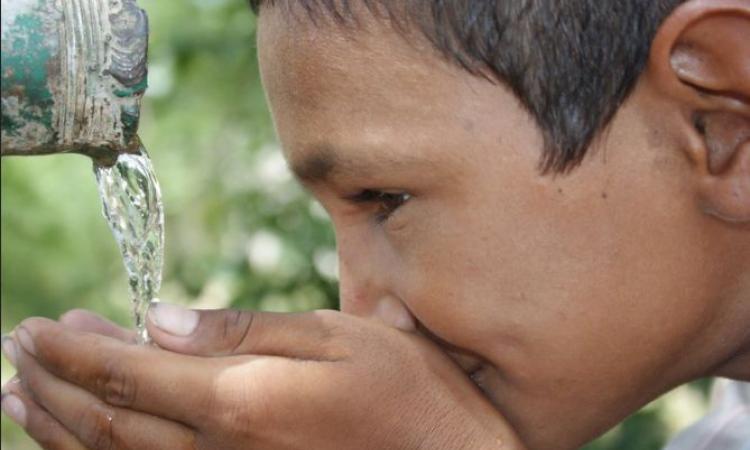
<point x="132" y="206"/>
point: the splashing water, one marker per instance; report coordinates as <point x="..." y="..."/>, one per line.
<point x="132" y="206"/>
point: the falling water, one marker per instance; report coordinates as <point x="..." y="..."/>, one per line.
<point x="132" y="205"/>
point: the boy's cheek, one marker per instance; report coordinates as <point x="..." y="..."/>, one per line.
<point x="569" y="298"/>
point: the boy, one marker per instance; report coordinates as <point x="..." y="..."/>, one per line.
<point x="542" y="212"/>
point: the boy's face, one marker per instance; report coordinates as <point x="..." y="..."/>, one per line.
<point x="553" y="291"/>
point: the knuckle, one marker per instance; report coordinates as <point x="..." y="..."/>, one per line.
<point x="95" y="428"/>
<point x="235" y="422"/>
<point x="236" y="327"/>
<point x="117" y="385"/>
<point x="330" y="325"/>
<point x="336" y="339"/>
<point x="46" y="346"/>
<point x="231" y="410"/>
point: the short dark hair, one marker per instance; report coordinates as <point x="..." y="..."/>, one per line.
<point x="572" y="63"/>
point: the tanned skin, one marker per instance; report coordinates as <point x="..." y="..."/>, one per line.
<point x="563" y="302"/>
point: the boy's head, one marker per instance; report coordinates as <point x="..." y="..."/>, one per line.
<point x="557" y="193"/>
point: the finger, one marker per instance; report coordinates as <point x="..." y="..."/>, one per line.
<point x="83" y="320"/>
<point x="38" y="423"/>
<point x="130" y="376"/>
<point x="231" y="332"/>
<point x="95" y="424"/>
<point x="8" y="347"/>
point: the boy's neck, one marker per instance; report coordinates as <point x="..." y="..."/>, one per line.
<point x="737" y="365"/>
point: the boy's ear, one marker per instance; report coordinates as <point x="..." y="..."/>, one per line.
<point x="700" y="59"/>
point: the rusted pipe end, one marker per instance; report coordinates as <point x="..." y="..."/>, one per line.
<point x="73" y="74"/>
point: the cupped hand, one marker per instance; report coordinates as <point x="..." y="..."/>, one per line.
<point x="230" y="379"/>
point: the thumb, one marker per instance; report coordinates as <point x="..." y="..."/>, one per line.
<point x="225" y="332"/>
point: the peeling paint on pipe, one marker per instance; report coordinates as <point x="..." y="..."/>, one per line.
<point x="73" y="74"/>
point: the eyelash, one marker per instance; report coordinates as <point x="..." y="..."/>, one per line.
<point x="387" y="202"/>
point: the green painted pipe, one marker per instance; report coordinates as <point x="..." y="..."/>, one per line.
<point x="73" y="74"/>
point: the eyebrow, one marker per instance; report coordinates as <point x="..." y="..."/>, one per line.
<point x="322" y="162"/>
<point x="317" y="166"/>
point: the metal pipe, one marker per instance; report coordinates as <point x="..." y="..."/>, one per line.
<point x="73" y="74"/>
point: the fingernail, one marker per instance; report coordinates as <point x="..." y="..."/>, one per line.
<point x="9" y="349"/>
<point x="14" y="408"/>
<point x="14" y="380"/>
<point x="173" y="319"/>
<point x="24" y="337"/>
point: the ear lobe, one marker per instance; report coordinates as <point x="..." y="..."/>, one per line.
<point x="700" y="60"/>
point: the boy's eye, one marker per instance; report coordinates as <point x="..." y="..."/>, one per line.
<point x="385" y="202"/>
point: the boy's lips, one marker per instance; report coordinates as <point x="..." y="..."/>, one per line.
<point x="468" y="362"/>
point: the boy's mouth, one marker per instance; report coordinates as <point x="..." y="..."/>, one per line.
<point x="469" y="363"/>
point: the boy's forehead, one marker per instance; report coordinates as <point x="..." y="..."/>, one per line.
<point x="315" y="71"/>
<point x="303" y="52"/>
<point x="373" y="94"/>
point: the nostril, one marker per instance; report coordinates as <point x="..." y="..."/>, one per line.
<point x="394" y="313"/>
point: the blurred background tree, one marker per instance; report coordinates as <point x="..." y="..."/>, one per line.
<point x="240" y="231"/>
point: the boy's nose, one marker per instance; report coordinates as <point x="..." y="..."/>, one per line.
<point x="365" y="292"/>
<point x="393" y="312"/>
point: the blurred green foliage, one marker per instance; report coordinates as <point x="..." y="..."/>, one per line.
<point x="240" y="232"/>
